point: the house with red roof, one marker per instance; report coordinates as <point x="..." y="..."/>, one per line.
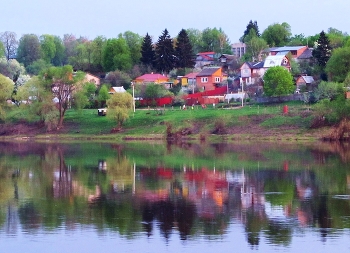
<point x="204" y="59"/>
<point x="151" y="78"/>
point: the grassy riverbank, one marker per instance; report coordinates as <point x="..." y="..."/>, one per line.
<point x="222" y="122"/>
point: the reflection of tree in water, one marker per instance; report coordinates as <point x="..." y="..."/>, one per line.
<point x="169" y="213"/>
<point x="29" y="216"/>
<point x="279" y="233"/>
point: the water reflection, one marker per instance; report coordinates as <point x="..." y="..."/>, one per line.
<point x="192" y="190"/>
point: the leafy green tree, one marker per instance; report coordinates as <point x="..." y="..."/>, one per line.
<point x="37" y="66"/>
<point x="10" y="43"/>
<point x="252" y="26"/>
<point x="119" y="78"/>
<point x="298" y="40"/>
<point x="338" y="65"/>
<point x="28" y="49"/>
<point x="97" y="53"/>
<point x="278" y="82"/>
<point x="11" y="68"/>
<point x="165" y="53"/>
<point x="48" y="47"/>
<point x="183" y="51"/>
<point x="255" y="46"/>
<point x="116" y="55"/>
<point x="277" y="35"/>
<point x="6" y="87"/>
<point x="134" y="42"/>
<point x="119" y="106"/>
<point x="103" y="95"/>
<point x="70" y="43"/>
<point x="2" y="50"/>
<point x="336" y="38"/>
<point x="148" y="55"/>
<point x="58" y="58"/>
<point x="215" y="40"/>
<point x="195" y="37"/>
<point x="62" y="83"/>
<point x="154" y="91"/>
<point x="328" y="90"/>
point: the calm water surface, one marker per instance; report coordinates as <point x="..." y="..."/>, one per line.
<point x="140" y="197"/>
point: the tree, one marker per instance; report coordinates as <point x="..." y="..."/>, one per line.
<point x="103" y="95"/>
<point x="147" y="51"/>
<point x="37" y="66"/>
<point x="119" y="107"/>
<point x="278" y="82"/>
<point x="119" y="78"/>
<point x="10" y="43"/>
<point x="11" y="68"/>
<point x="322" y="50"/>
<point x="338" y="65"/>
<point x="58" y="58"/>
<point x="252" y="26"/>
<point x="165" y="53"/>
<point x="195" y="37"/>
<point x="134" y="42"/>
<point x="215" y="40"/>
<point x="277" y="35"/>
<point x="70" y="42"/>
<point x="116" y="55"/>
<point x="6" y="87"/>
<point x="97" y="53"/>
<point x="336" y="38"/>
<point x="62" y="83"/>
<point x="255" y="46"/>
<point x="183" y="51"/>
<point x="48" y="47"/>
<point x="28" y="49"/>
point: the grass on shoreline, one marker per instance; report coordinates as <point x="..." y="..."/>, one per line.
<point x="151" y="123"/>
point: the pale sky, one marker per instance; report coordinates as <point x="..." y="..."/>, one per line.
<point x="110" y="17"/>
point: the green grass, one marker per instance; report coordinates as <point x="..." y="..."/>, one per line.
<point x="150" y="121"/>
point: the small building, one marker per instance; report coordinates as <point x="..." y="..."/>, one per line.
<point x="151" y="78"/>
<point x="204" y="59"/>
<point x="295" y="51"/>
<point x="305" y="81"/>
<point x="238" y="49"/>
<point x="113" y="90"/>
<point x="92" y="79"/>
<point x="209" y="78"/>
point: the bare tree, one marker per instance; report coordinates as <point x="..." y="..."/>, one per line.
<point x="10" y="43"/>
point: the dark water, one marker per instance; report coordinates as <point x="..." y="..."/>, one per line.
<point x="139" y="197"/>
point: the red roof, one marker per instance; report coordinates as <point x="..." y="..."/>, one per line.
<point x="191" y="75"/>
<point x="151" y="77"/>
<point x="206" y="53"/>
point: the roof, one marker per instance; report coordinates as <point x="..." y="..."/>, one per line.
<point x="273" y="60"/>
<point x="228" y="56"/>
<point x="208" y="71"/>
<point x="117" y="89"/>
<point x="191" y="75"/>
<point x="307" y="54"/>
<point x="206" y="53"/>
<point x="286" y="48"/>
<point x="151" y="77"/>
<point x="308" y="79"/>
<point x="256" y="65"/>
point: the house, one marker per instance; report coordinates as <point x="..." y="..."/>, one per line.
<point x="229" y="63"/>
<point x="295" y="51"/>
<point x="304" y="81"/>
<point x="151" y="78"/>
<point x="204" y="59"/>
<point x="92" y="79"/>
<point x="251" y="72"/>
<point x="238" y="49"/>
<point x="209" y="78"/>
<point x="113" y="90"/>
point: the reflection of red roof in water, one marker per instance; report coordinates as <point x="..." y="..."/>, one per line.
<point x="165" y="173"/>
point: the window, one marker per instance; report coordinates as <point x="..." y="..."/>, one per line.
<point x="204" y="79"/>
<point x="217" y="79"/>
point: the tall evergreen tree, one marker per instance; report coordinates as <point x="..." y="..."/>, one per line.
<point x="251" y="25"/>
<point x="165" y="53"/>
<point x="322" y="52"/>
<point x="184" y="51"/>
<point x="147" y="52"/>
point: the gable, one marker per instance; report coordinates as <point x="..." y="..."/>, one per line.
<point x="275" y="60"/>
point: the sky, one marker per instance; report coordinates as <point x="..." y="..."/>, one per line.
<point x="111" y="17"/>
